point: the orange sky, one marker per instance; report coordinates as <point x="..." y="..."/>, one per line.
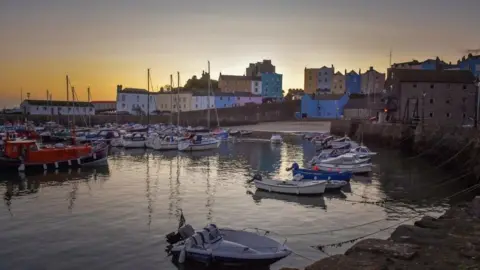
<point x="104" y="43"/>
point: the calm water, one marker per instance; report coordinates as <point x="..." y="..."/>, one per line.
<point x="117" y="218"/>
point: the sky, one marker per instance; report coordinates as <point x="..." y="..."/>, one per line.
<point x="102" y="43"/>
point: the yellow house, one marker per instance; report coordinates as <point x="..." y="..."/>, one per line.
<point x="164" y="101"/>
<point x="182" y="101"/>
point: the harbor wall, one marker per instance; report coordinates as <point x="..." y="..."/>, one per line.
<point x="245" y="115"/>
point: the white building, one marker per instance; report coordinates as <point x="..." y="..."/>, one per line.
<point x="56" y="107"/>
<point x="257" y="86"/>
<point x="135" y="101"/>
<point x="200" y="101"/>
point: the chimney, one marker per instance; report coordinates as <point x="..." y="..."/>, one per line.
<point x="345" y="72"/>
<point x="371" y="68"/>
<point x="119" y="87"/>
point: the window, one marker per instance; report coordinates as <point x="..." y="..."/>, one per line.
<point x="310" y="77"/>
<point x="138" y="98"/>
<point x="448" y="101"/>
<point x="143" y="105"/>
<point x="174" y="106"/>
<point x="123" y="105"/>
<point x="325" y="79"/>
<point x="431" y="101"/>
<point x="184" y="106"/>
<point x="123" y="97"/>
<point x="184" y="99"/>
<point x="448" y="115"/>
<point x="221" y="98"/>
<point x="325" y="73"/>
<point x="196" y="106"/>
<point x="414" y="85"/>
<point x="464" y="87"/>
<point x="431" y="115"/>
<point x="464" y="115"/>
<point x="432" y="86"/>
<point x="69" y="109"/>
<point x="224" y="105"/>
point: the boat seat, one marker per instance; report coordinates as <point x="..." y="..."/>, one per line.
<point x="197" y="240"/>
<point x="213" y="232"/>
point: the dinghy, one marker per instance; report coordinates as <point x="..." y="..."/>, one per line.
<point x="318" y="174"/>
<point x="355" y="169"/>
<point x="225" y="247"/>
<point x="296" y="186"/>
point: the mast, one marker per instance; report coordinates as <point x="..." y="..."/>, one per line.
<point x="73" y="117"/>
<point x="208" y="97"/>
<point x="89" y="100"/>
<point x="171" y="99"/>
<point x="67" y="82"/>
<point x="178" y="98"/>
<point x="148" y="97"/>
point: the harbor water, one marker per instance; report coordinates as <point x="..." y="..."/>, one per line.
<point x="117" y="217"/>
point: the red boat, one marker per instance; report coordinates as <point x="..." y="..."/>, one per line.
<point x="24" y="155"/>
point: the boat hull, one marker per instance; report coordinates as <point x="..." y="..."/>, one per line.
<point x="323" y="175"/>
<point x="309" y="188"/>
<point x="197" y="147"/>
<point x="133" y="144"/>
<point x="225" y="261"/>
<point x="97" y="158"/>
<point x="355" y="169"/>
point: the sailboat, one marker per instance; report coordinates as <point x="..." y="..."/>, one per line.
<point x="197" y="142"/>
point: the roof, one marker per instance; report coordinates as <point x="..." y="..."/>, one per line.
<point x="438" y="76"/>
<point x="338" y="73"/>
<point x="134" y="91"/>
<point x="238" y="77"/>
<point x="224" y="94"/>
<point x="103" y="101"/>
<point x="352" y="73"/>
<point x="413" y="62"/>
<point x="58" y="103"/>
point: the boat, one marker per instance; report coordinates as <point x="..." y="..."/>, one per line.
<point x="134" y="140"/>
<point x="234" y="132"/>
<point x="225" y="247"/>
<point x="296" y="186"/>
<point x="344" y="159"/>
<point x="335" y="184"/>
<point x="245" y="132"/>
<point x="322" y="175"/>
<point x="150" y="139"/>
<point x="165" y="143"/>
<point x="362" y="151"/>
<point x="28" y="155"/>
<point x="276" y="139"/>
<point x="197" y="143"/>
<point x="344" y="142"/>
<point x="355" y="169"/>
<point x="220" y="134"/>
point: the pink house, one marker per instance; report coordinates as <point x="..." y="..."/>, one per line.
<point x="242" y="98"/>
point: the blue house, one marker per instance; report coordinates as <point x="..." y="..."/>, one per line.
<point x="272" y="85"/>
<point x="323" y="106"/>
<point x="353" y="82"/>
<point x="224" y="100"/>
<point x="471" y="63"/>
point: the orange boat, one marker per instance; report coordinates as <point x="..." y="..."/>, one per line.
<point x="26" y="155"/>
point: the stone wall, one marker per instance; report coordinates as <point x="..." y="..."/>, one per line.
<point x="249" y="114"/>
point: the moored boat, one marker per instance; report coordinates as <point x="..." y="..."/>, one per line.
<point x="276" y="139"/>
<point x="27" y="155"/>
<point x="198" y="143"/>
<point x="296" y="186"/>
<point x="355" y="169"/>
<point x="165" y="143"/>
<point x="135" y="140"/>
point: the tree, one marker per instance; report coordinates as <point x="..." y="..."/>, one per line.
<point x="202" y="83"/>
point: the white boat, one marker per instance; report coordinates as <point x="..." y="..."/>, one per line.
<point x="362" y="151"/>
<point x="276" y="139"/>
<point x="226" y="247"/>
<point x="165" y="143"/>
<point x="342" y="142"/>
<point x="345" y="159"/>
<point x="198" y="143"/>
<point x="359" y="168"/>
<point x="291" y="187"/>
<point x="135" y="140"/>
<point x="335" y="184"/>
<point x="150" y="140"/>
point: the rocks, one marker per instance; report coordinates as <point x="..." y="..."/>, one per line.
<point x="386" y="248"/>
<point x="449" y="242"/>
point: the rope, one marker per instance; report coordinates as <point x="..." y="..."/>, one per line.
<point x="301" y="256"/>
<point x="454" y="156"/>
<point x="334" y="230"/>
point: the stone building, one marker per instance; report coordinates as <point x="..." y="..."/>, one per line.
<point x="234" y="83"/>
<point x="372" y="81"/>
<point x="432" y="96"/>
<point x="256" y="69"/>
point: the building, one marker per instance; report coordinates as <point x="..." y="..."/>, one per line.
<point x="242" y="99"/>
<point x="256" y="69"/>
<point x="225" y="100"/>
<point x="56" y="107"/>
<point x="234" y="83"/>
<point x="201" y="100"/>
<point x="256" y="85"/>
<point x="434" y="96"/>
<point x="164" y="101"/>
<point x="429" y="64"/>
<point x="272" y="84"/>
<point x="135" y="101"/>
<point x="372" y="81"/>
<point x="338" y="84"/>
<point x="363" y="107"/>
<point x="104" y="106"/>
<point x="472" y="63"/>
<point x="353" y="82"/>
<point x="318" y="80"/>
<point x="323" y="106"/>
<point x="182" y="101"/>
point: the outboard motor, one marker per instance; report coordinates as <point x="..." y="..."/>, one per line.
<point x="183" y="233"/>
<point x="257" y="177"/>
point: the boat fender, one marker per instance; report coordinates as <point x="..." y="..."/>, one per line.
<point x="21" y="168"/>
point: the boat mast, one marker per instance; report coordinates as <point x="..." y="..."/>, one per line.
<point x="178" y="98"/>
<point x="208" y="97"/>
<point x="68" y="90"/>
<point x="89" y="100"/>
<point x="171" y="99"/>
<point x="148" y="97"/>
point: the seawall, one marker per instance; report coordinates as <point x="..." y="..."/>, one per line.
<point x="245" y="115"/>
